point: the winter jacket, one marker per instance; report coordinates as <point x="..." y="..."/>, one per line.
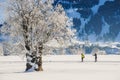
<point x="82" y="55"/>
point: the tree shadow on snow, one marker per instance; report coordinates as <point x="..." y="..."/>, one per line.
<point x="16" y="72"/>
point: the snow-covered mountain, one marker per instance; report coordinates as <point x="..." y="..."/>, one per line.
<point x="94" y="20"/>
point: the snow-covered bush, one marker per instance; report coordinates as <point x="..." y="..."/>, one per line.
<point x="1" y="50"/>
<point x="101" y="52"/>
<point x="98" y="51"/>
<point x="95" y="50"/>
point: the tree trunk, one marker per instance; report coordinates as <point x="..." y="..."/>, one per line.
<point x="32" y="58"/>
<point x="28" y="45"/>
<point x="40" y="48"/>
<point x="40" y="64"/>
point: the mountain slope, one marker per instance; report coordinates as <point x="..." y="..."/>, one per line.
<point x="95" y="20"/>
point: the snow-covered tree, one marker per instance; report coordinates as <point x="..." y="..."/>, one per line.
<point x="1" y="50"/>
<point x="95" y="50"/>
<point x="7" y="48"/>
<point x="35" y="22"/>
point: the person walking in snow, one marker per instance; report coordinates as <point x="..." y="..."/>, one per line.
<point x="82" y="57"/>
<point x="95" y="57"/>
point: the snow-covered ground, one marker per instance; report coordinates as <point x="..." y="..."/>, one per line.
<point x="64" y="67"/>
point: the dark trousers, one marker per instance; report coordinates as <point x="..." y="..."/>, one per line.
<point x="82" y="59"/>
<point x="95" y="59"/>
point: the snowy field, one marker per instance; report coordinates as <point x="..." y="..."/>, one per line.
<point x="67" y="67"/>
